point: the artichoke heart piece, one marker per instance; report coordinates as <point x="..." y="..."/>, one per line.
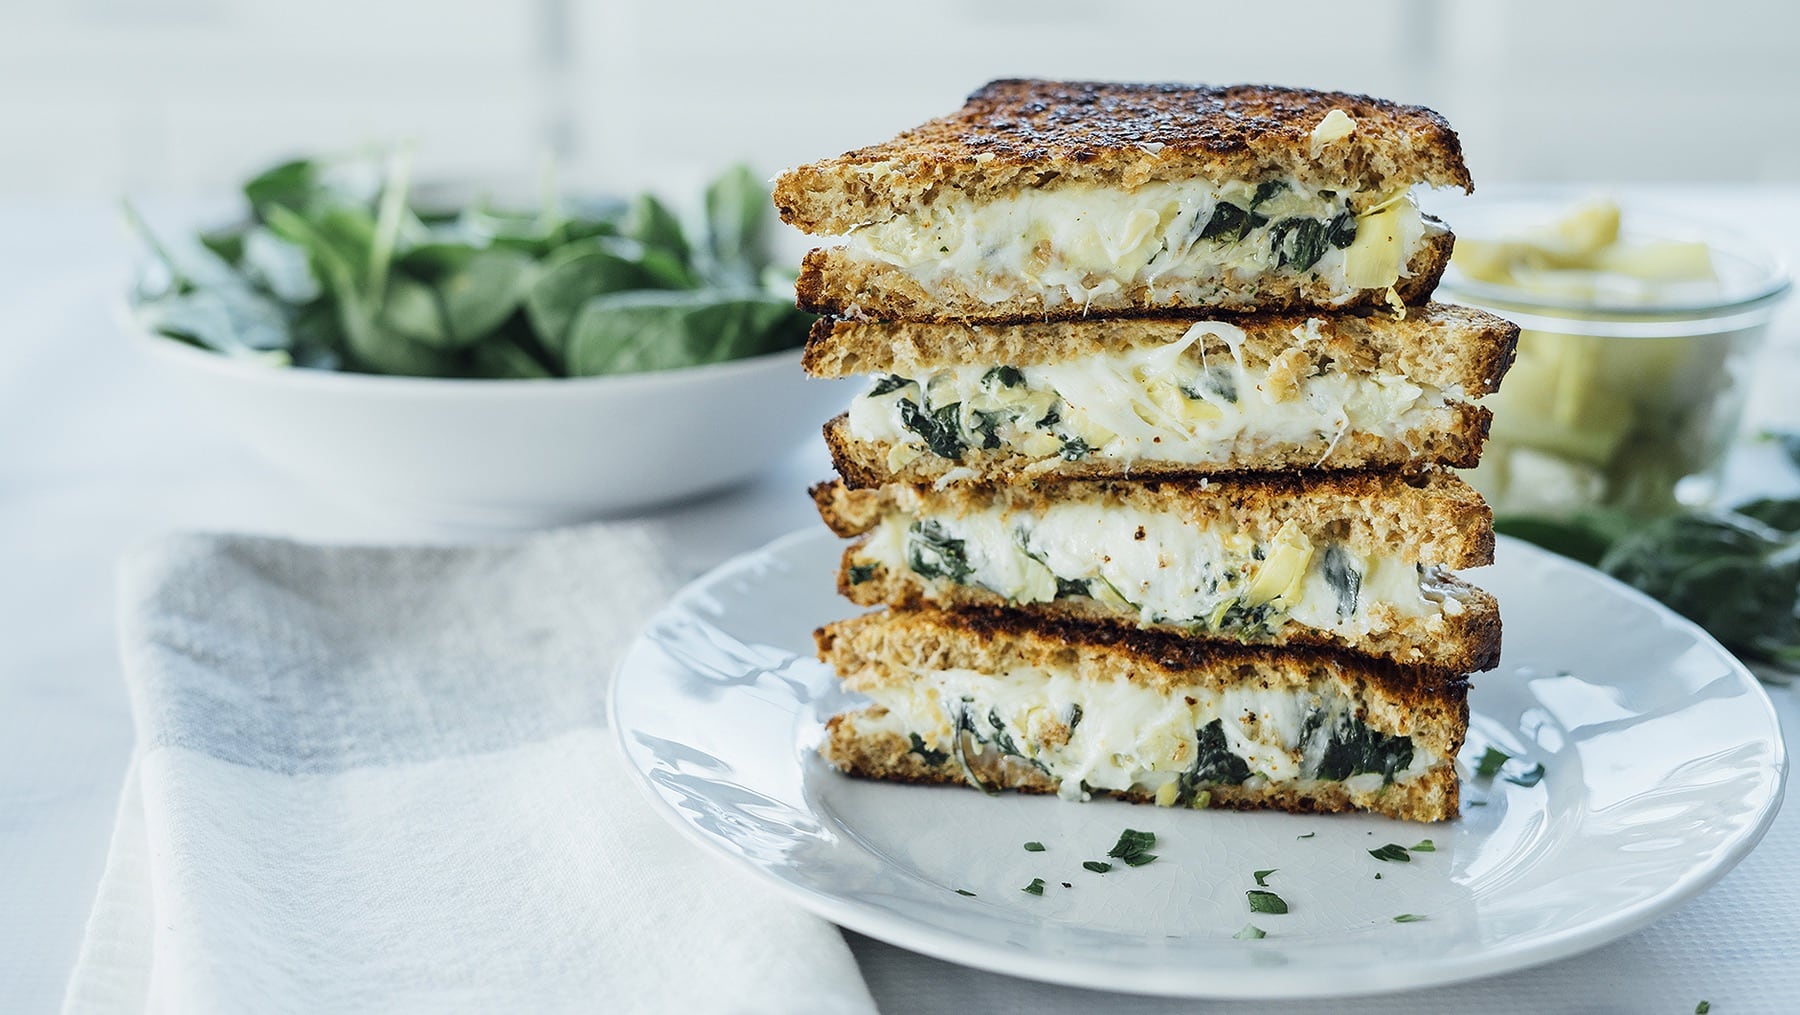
<point x="1283" y="573"/>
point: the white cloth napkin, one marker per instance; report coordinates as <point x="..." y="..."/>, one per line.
<point x="378" y="779"/>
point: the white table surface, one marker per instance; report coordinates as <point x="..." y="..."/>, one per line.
<point x="95" y="456"/>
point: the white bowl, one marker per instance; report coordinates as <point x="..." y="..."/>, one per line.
<point x="513" y="453"/>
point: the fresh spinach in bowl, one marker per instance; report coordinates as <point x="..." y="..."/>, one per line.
<point x="338" y="266"/>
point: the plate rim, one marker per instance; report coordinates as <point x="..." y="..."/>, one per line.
<point x="935" y="941"/>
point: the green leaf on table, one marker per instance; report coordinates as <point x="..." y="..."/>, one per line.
<point x="1251" y="932"/>
<point x="1491" y="760"/>
<point x="1265" y="902"/>
<point x="1528" y="778"/>
<point x="1034" y="847"/>
<point x="1393" y="852"/>
<point x="1133" y="847"/>
<point x="1035" y="888"/>
<point x="1734" y="575"/>
<point x="1262" y="876"/>
<point x="1408" y="918"/>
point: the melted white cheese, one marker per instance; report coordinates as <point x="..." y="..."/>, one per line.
<point x="1078" y="241"/>
<point x="1166" y="403"/>
<point x="1128" y="735"/>
<point x="1164" y="571"/>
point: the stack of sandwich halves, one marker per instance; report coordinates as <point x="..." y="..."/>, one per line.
<point x="1153" y="470"/>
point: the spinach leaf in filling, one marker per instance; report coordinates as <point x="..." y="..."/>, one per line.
<point x="1343" y="577"/>
<point x="933" y="553"/>
<point x="940" y="428"/>
<point x="1213" y="763"/>
<point x="1355" y="749"/>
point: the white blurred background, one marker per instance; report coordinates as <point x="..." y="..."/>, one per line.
<point x="100" y="97"/>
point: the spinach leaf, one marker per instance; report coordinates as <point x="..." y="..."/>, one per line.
<point x="1299" y="242"/>
<point x="1230" y="223"/>
<point x="1006" y="377"/>
<point x="940" y="428"/>
<point x="1735" y="576"/>
<point x="574" y="274"/>
<point x="737" y="220"/>
<point x="483" y="293"/>
<point x="1340" y="232"/>
<point x="926" y="754"/>
<point x="1266" y="190"/>
<point x="656" y="227"/>
<point x="1343" y="577"/>
<point x="631" y="332"/>
<point x="1355" y="749"/>
<point x="933" y="553"/>
<point x="290" y="184"/>
<point x="888" y="385"/>
<point x="1214" y="761"/>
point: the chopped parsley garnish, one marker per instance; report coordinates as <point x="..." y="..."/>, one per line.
<point x="860" y="573"/>
<point x="1530" y="777"/>
<point x="1393" y="852"/>
<point x="1097" y="866"/>
<point x="1702" y="1008"/>
<point x="1424" y="846"/>
<point x="1262" y="876"/>
<point x="1251" y="932"/>
<point x="1308" y="835"/>
<point x="965" y="891"/>
<point x="1074" y="449"/>
<point x="1408" y="918"/>
<point x="1491" y="760"/>
<point x="1035" y="888"/>
<point x="1133" y="848"/>
<point x="1265" y="902"/>
<point x="1034" y="847"/>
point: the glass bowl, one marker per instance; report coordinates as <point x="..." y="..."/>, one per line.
<point x="1624" y="398"/>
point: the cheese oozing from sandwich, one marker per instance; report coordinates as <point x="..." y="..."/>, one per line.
<point x="1167" y="403"/>
<point x="1183" y="240"/>
<point x="1159" y="569"/>
<point x="1170" y="743"/>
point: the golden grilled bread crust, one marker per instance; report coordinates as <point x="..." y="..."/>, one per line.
<point x="1438" y="344"/>
<point x="1018" y="134"/>
<point x="882" y="648"/>
<point x="833" y="281"/>
<point x="1454" y="438"/>
<point x="1430" y="516"/>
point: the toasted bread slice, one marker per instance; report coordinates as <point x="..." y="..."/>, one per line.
<point x="839" y="282"/>
<point x="1352" y="561"/>
<point x="1440" y="344"/>
<point x="1161" y="396"/>
<point x="1016" y="135"/>
<point x="999" y="701"/>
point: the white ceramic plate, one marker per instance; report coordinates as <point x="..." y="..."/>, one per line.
<point x="1663" y="766"/>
